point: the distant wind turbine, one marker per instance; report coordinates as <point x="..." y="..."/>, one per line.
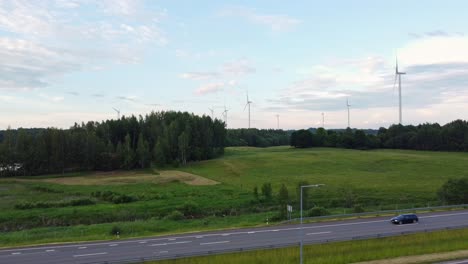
<point x="248" y="104"/>
<point x="212" y="112"/>
<point x="118" y="112"/>
<point x="225" y="112"/>
<point x="323" y="120"/>
<point x="348" y="105"/>
<point x="277" y="121"/>
<point x="398" y="76"/>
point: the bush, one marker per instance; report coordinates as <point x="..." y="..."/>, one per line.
<point x="116" y="231"/>
<point x="190" y="209"/>
<point x="454" y="191"/>
<point x="175" y="215"/>
<point x="317" y="211"/>
<point x="114" y="197"/>
<point x="358" y="209"/>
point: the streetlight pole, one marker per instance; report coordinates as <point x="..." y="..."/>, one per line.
<point x="302" y="232"/>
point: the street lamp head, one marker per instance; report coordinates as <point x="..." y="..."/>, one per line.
<point x="312" y="185"/>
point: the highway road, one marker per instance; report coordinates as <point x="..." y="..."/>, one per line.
<point x="204" y="243"/>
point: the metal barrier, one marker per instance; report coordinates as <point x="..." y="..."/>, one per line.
<point x="243" y="249"/>
<point x="383" y="212"/>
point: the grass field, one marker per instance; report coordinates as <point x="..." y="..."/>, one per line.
<point x="348" y="252"/>
<point x="216" y="193"/>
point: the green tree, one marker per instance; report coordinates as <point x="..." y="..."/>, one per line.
<point x="143" y="153"/>
<point x="128" y="154"/>
<point x="283" y="197"/>
<point x="267" y="191"/>
<point x="454" y="191"/>
<point x="305" y="194"/>
<point x="255" y="192"/>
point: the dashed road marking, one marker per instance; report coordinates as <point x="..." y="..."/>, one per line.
<point x="319" y="233"/>
<point x="82" y="247"/>
<point x="88" y="255"/>
<point x="16" y="253"/>
<point x="50" y="250"/>
<point x="173" y="243"/>
<point x="113" y="245"/>
<point x="217" y="242"/>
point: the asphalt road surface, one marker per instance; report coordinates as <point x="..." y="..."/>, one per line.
<point x="205" y="243"/>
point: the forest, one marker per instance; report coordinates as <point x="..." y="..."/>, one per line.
<point x="450" y="137"/>
<point x="162" y="138"/>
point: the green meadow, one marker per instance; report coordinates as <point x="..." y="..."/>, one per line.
<point x="217" y="193"/>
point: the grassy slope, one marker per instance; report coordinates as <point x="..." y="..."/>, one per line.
<point x="345" y="252"/>
<point x="382" y="177"/>
<point x="391" y="175"/>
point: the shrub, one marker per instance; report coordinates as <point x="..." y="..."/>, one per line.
<point x="190" y="209"/>
<point x="116" y="230"/>
<point x="175" y="215"/>
<point x="358" y="209"/>
<point x="454" y="191"/>
<point x="318" y="211"/>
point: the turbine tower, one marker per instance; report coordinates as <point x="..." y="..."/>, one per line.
<point x="277" y="121"/>
<point x="248" y="104"/>
<point x="398" y="76"/>
<point x="225" y="112"/>
<point x="323" y="120"/>
<point x="212" y="112"/>
<point x="348" y="105"/>
<point x="118" y="112"/>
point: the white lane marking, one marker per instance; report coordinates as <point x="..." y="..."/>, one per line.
<point x="199" y="237"/>
<point x="276" y="230"/>
<point x="319" y="233"/>
<point x="82" y="247"/>
<point x="142" y="242"/>
<point x="172" y="243"/>
<point x="50" y="250"/>
<point x="211" y="243"/>
<point x="171" y="239"/>
<point x="251" y="232"/>
<point x="16" y="253"/>
<point x="113" y="245"/>
<point x="236" y="233"/>
<point x="225" y="234"/>
<point x="88" y="255"/>
<point x="162" y="252"/>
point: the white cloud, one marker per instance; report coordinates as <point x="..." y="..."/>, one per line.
<point x="46" y="39"/>
<point x="209" y="88"/>
<point x="276" y="22"/>
<point x="199" y="75"/>
<point x="435" y="50"/>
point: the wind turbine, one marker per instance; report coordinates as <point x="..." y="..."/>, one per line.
<point x="225" y="114"/>
<point x="277" y="121"/>
<point x="118" y="112"/>
<point x="212" y="112"/>
<point x="323" y="120"/>
<point x="348" y="105"/>
<point x="248" y="104"/>
<point x="398" y="76"/>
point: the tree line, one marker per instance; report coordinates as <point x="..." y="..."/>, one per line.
<point x="253" y="137"/>
<point x="160" y="138"/>
<point x="450" y="137"/>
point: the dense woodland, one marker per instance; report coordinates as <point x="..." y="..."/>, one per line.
<point x="175" y="138"/>
<point x="450" y="137"/>
<point x="256" y="137"/>
<point x="161" y="138"/>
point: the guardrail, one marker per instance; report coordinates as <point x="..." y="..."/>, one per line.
<point x="383" y="212"/>
<point x="282" y="245"/>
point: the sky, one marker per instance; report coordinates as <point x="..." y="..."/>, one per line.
<point x="67" y="61"/>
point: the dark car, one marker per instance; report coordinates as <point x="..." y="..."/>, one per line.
<point x="405" y="219"/>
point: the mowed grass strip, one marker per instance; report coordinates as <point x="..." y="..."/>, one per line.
<point x="345" y="252"/>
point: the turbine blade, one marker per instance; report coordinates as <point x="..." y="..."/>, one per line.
<point x="245" y="106"/>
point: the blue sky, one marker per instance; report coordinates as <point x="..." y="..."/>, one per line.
<point x="71" y="61"/>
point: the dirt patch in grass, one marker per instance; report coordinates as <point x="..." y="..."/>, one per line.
<point x="428" y="258"/>
<point x="129" y="177"/>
